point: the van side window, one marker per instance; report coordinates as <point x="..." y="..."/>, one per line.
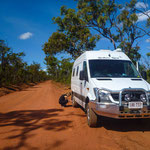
<point x="73" y="72"/>
<point x="77" y="71"/>
<point x="85" y="70"/>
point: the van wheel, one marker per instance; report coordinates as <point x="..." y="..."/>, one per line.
<point x="92" y="118"/>
<point x="74" y="103"/>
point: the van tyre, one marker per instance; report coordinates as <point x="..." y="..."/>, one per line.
<point x="74" y="103"/>
<point x="92" y="118"/>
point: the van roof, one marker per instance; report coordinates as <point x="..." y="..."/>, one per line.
<point x="105" y="54"/>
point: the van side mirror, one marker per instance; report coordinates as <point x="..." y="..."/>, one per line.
<point x="144" y="75"/>
<point x="82" y="75"/>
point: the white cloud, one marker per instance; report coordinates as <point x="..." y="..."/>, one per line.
<point x="148" y="40"/>
<point x="141" y="5"/>
<point x="143" y="17"/>
<point x="25" y="36"/>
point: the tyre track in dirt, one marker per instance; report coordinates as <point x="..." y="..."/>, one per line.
<point x="33" y="120"/>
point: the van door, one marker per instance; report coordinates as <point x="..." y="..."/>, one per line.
<point x="83" y="84"/>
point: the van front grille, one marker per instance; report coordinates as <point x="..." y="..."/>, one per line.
<point x="135" y="95"/>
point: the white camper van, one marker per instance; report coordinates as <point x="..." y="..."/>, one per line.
<point x="106" y="83"/>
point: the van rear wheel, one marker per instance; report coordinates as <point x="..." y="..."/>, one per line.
<point x="92" y="118"/>
<point x="74" y="103"/>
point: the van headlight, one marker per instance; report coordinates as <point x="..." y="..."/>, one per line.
<point x="143" y="98"/>
<point x="102" y="95"/>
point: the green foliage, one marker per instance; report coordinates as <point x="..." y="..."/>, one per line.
<point x="118" y="23"/>
<point x="148" y="54"/>
<point x="146" y="65"/>
<point x="72" y="35"/>
<point x="148" y="22"/>
<point x="56" y="43"/>
<point x="59" y="71"/>
<point x="13" y="70"/>
<point x="65" y="71"/>
<point x="52" y="66"/>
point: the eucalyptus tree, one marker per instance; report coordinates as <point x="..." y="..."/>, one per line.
<point x="72" y="35"/>
<point x="117" y="22"/>
<point x="79" y="29"/>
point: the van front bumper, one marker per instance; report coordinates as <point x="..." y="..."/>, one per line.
<point x="114" y="111"/>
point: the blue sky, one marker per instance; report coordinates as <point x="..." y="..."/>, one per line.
<point x="33" y="16"/>
<point x="27" y="25"/>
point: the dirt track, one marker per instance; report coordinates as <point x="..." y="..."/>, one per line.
<point x="33" y="120"/>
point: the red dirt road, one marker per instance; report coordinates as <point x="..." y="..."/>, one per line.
<point x="33" y="120"/>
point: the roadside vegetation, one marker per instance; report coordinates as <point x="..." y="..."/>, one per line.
<point x="14" y="71"/>
<point x="145" y="65"/>
<point x="59" y="70"/>
<point x="79" y="30"/>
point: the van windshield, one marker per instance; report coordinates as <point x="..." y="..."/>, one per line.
<point x="112" y="68"/>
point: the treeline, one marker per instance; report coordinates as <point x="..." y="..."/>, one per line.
<point x="59" y="70"/>
<point x="13" y="70"/>
<point x="145" y="65"/>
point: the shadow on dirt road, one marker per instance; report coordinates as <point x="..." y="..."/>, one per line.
<point x="23" y="122"/>
<point x="30" y="120"/>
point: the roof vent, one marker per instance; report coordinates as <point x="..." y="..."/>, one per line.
<point x="118" y="50"/>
